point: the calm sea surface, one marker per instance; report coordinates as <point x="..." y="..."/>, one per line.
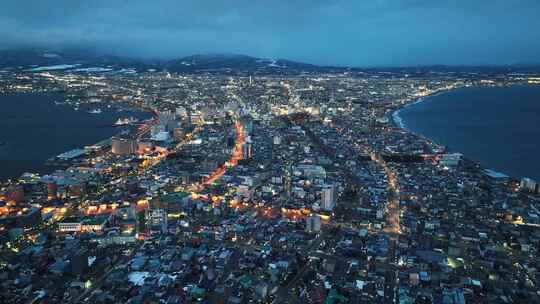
<point x="34" y="129"/>
<point x="498" y="127"/>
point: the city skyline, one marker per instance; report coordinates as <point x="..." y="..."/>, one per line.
<point x="284" y="152"/>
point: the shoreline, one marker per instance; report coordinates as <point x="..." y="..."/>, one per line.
<point x="398" y="122"/>
<point x="99" y="125"/>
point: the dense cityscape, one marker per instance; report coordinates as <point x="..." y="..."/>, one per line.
<point x="264" y="187"/>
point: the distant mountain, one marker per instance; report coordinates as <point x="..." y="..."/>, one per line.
<point x="31" y="58"/>
<point x="28" y="57"/>
<point x="234" y="62"/>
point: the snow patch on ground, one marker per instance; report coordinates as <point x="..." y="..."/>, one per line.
<point x="137" y="277"/>
<point x="93" y="70"/>
<point x="54" y="67"/>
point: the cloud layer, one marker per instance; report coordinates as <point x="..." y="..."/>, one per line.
<point x="358" y="33"/>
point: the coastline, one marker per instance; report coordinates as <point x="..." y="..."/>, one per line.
<point x="398" y="122"/>
<point x="18" y="153"/>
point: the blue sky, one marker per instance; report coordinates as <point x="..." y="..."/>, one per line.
<point x="330" y="32"/>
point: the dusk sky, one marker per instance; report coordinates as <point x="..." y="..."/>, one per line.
<point x="329" y="32"/>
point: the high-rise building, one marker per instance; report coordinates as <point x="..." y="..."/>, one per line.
<point x="287" y="179"/>
<point x="529" y="185"/>
<point x="247" y="151"/>
<point x="313" y="223"/>
<point x="156" y="217"/>
<point x="247" y="123"/>
<point x="52" y="190"/>
<point x="328" y="197"/>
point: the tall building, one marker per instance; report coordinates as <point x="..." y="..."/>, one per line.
<point x="287" y="179"/>
<point x="247" y="151"/>
<point x="247" y="122"/>
<point x="313" y="223"/>
<point x="156" y="217"/>
<point x="328" y="197"/>
<point x="52" y="190"/>
<point x="529" y="185"/>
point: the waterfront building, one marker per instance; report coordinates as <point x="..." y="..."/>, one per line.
<point x="450" y="160"/>
<point x="124" y="146"/>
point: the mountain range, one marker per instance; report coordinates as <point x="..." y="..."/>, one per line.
<point x="32" y="58"/>
<point x="26" y="59"/>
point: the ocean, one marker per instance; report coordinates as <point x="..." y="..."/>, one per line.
<point x="499" y="127"/>
<point x="34" y="129"/>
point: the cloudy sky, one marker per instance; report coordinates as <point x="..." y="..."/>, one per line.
<point x="332" y="32"/>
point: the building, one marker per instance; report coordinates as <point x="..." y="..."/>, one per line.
<point x="15" y="193"/>
<point x="165" y="117"/>
<point x="156" y="217"/>
<point x="313" y="223"/>
<point x="450" y="160"/>
<point x="95" y="223"/>
<point x="178" y="134"/>
<point x="243" y="191"/>
<point x="312" y="171"/>
<point x="181" y="112"/>
<point x="328" y="197"/>
<point x="52" y="190"/>
<point x="247" y="123"/>
<point x="70" y="225"/>
<point x="529" y="185"/>
<point x="247" y="151"/>
<point x="123" y="146"/>
<point x="145" y="146"/>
